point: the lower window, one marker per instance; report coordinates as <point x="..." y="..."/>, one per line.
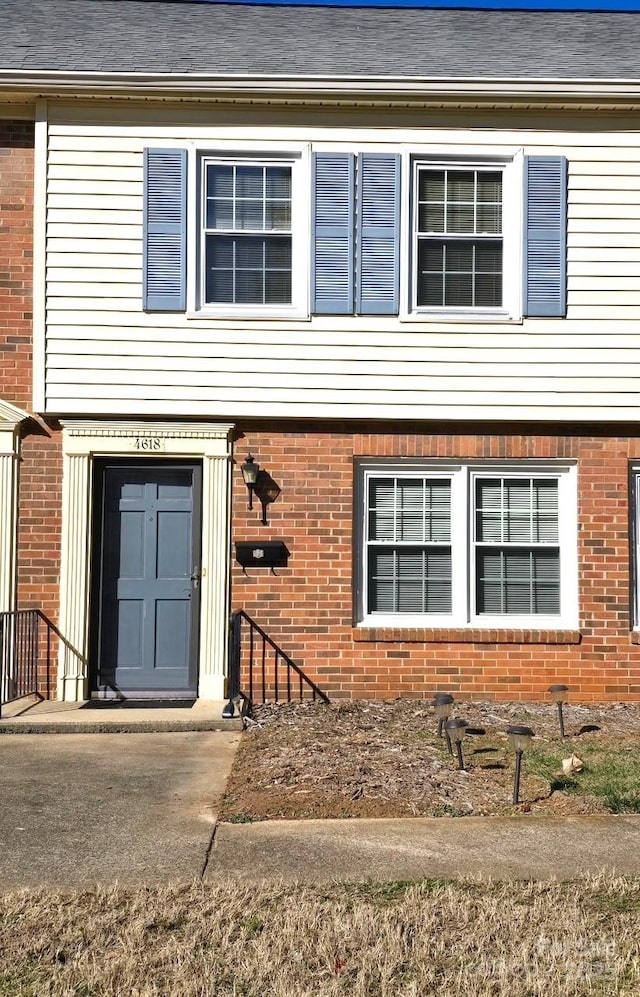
<point x="468" y="545"/>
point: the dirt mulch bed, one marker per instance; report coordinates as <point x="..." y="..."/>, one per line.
<point x="384" y="759"/>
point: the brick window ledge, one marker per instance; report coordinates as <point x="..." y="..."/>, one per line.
<point x="459" y="635"/>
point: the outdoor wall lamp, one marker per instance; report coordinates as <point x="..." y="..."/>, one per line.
<point x="456" y="730"/>
<point x="250" y="471"/>
<point x="559" y="696"/>
<point x="520" y="737"/>
<point x="443" y="705"/>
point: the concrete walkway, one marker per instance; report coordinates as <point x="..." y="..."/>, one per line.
<point x="76" y="809"/>
<point x="490" y="847"/>
<point x="80" y="809"/>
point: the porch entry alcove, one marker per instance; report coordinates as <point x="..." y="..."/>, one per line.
<point x="145" y="552"/>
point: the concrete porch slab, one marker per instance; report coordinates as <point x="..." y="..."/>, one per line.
<point x="31" y="716"/>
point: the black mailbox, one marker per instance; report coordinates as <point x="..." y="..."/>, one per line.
<point x="262" y="554"/>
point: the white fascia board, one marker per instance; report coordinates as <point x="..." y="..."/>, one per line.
<point x="10" y="415"/>
<point x="624" y="92"/>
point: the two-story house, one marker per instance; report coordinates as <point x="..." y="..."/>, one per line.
<point x="394" y="255"/>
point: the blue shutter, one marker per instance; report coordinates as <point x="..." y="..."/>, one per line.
<point x="165" y="230"/>
<point x="545" y="236"/>
<point x="378" y="262"/>
<point x="332" y="233"/>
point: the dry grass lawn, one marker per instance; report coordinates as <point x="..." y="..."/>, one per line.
<point x="394" y="940"/>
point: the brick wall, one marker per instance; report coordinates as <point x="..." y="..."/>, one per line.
<point x="307" y="607"/>
<point x="40" y="472"/>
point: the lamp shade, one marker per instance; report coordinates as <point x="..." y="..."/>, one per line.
<point x="520" y="737"/>
<point x="559" y="693"/>
<point x="250" y="470"/>
<point x="443" y="704"/>
<point x="456" y="729"/>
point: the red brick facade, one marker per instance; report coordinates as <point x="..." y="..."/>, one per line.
<point x="40" y="473"/>
<point x="308" y="606"/>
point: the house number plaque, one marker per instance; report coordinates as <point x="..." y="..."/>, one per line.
<point x="149" y="444"/>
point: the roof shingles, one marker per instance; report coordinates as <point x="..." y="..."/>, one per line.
<point x="164" y="36"/>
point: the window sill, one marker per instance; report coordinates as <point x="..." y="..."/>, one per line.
<point x="458" y="635"/>
<point x="245" y="315"/>
<point x="466" y="317"/>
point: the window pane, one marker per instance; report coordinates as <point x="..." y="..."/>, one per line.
<point x="489" y="187"/>
<point x="249" y="215"/>
<point x="431" y="218"/>
<point x="219" y="181"/>
<point x="250" y="181"/>
<point x="410" y="580"/>
<point x="488" y="291"/>
<point x="517" y="510"/>
<point x="431" y="185"/>
<point x="489" y="218"/>
<point x="458" y="291"/>
<point x="459" y="257"/>
<point x="219" y="213"/>
<point x="277" y="287"/>
<point x="278" y="216"/>
<point x="249" y="287"/>
<point x="248" y="270"/>
<point x="461" y="185"/>
<point x="249" y="253"/>
<point x="460" y="218"/>
<point x="278" y="181"/>
<point x="410" y="509"/>
<point x="518" y="582"/>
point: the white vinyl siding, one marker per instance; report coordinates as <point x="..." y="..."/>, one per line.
<point x="104" y="355"/>
<point x="467" y="546"/>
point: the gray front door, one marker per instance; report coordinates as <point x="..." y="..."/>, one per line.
<point x="149" y="587"/>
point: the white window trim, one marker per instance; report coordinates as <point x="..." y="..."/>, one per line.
<point x="296" y="155"/>
<point x="462" y="476"/>
<point x="512" y="166"/>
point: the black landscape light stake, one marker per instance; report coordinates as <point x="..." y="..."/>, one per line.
<point x="559" y="694"/>
<point x="443" y="705"/>
<point x="520" y="738"/>
<point x="250" y="470"/>
<point x="456" y="730"/>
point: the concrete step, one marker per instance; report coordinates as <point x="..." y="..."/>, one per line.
<point x="33" y="716"/>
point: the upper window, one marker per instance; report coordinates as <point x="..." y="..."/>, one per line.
<point x="465" y="259"/>
<point x="247" y="234"/>
<point x="467" y="545"/>
<point x="459" y="237"/>
<point x="252" y="241"/>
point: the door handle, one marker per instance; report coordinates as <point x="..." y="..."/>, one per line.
<point x="195" y="577"/>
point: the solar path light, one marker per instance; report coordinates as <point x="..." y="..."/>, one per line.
<point x="520" y="737"/>
<point x="456" y="730"/>
<point x="560" y="695"/>
<point x="443" y="705"/>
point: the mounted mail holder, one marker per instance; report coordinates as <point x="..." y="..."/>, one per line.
<point x="269" y="554"/>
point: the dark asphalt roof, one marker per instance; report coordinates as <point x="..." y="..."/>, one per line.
<point x="165" y="36"/>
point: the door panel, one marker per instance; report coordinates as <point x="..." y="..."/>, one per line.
<point x="150" y="546"/>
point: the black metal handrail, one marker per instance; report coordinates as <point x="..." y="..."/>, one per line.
<point x="25" y="654"/>
<point x="262" y="661"/>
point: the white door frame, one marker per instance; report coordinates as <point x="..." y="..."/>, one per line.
<point x="82" y="440"/>
<point x="10" y="419"/>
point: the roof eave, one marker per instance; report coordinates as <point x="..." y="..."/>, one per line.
<point x="443" y="90"/>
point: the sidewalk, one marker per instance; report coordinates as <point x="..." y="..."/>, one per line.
<point x="542" y="848"/>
